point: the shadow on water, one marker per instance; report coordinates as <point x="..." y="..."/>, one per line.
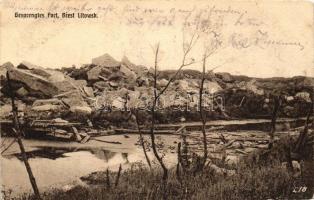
<point x="54" y="153"/>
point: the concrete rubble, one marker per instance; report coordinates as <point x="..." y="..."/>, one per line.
<point x="77" y="94"/>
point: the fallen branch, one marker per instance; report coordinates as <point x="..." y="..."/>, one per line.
<point x="110" y="142"/>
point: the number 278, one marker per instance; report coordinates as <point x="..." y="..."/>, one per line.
<point x="299" y="189"/>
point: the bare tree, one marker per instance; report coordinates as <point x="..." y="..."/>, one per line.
<point x="153" y="115"/>
<point x="18" y="134"/>
<point x="186" y="50"/>
<point x="209" y="50"/>
<point x="202" y="115"/>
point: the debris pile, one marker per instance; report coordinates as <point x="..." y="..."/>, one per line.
<point x="103" y="92"/>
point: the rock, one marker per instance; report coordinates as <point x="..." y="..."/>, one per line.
<point x="296" y="167"/>
<point x="221" y="171"/>
<point x="304" y="95"/>
<point x="117" y="76"/>
<point x="182" y="85"/>
<point x="162" y="83"/>
<point x="4" y="68"/>
<point x="125" y="61"/>
<point x="139" y="70"/>
<point x="70" y="84"/>
<point x="67" y="188"/>
<point x="59" y="120"/>
<point x="53" y="101"/>
<point x="105" y="60"/>
<point x="289" y="98"/>
<point x="56" y="76"/>
<point x="231" y="160"/>
<point x="94" y="73"/>
<point x="289" y="110"/>
<point x="251" y="85"/>
<point x="89" y="91"/>
<point x="113" y="84"/>
<point x="101" y="85"/>
<point x="151" y="70"/>
<point x="118" y="103"/>
<point x="211" y="87"/>
<point x="34" y="69"/>
<point x="83" y="110"/>
<point x="74" y="99"/>
<point x="22" y="92"/>
<point x="226" y="77"/>
<point x="127" y="72"/>
<point x="237" y="145"/>
<point x="35" y="82"/>
<point x="28" y="66"/>
<point x="48" y="105"/>
<point x="133" y="99"/>
<point x="60" y="131"/>
<point x="7" y="65"/>
<point x="77" y="136"/>
<point x="142" y="81"/>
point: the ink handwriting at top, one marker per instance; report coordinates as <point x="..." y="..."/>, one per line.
<point x="248" y="21"/>
<point x="261" y="39"/>
<point x="237" y="28"/>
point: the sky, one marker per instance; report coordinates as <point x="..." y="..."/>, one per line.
<point x="259" y="39"/>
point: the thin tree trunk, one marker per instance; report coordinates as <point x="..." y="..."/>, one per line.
<point x="203" y="117"/>
<point x="108" y="178"/>
<point x="142" y="139"/>
<point x="18" y="134"/>
<point x="152" y="134"/>
<point x="179" y="163"/>
<point x="156" y="97"/>
<point x="273" y="121"/>
<point x="118" y="176"/>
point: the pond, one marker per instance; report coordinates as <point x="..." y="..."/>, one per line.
<point x="61" y="164"/>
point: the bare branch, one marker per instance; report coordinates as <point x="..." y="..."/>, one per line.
<point x="11" y="143"/>
<point x="191" y="44"/>
<point x="135" y="114"/>
<point x="118" y="176"/>
<point x="203" y="117"/>
<point x="152" y="134"/>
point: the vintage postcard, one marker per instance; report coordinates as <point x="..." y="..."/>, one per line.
<point x="156" y="99"/>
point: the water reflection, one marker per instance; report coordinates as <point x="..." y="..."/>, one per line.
<point x="59" y="166"/>
<point x="54" y="153"/>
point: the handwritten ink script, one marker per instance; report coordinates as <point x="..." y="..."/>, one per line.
<point x="236" y="28"/>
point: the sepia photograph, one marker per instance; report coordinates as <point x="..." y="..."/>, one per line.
<point x="156" y="99"/>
